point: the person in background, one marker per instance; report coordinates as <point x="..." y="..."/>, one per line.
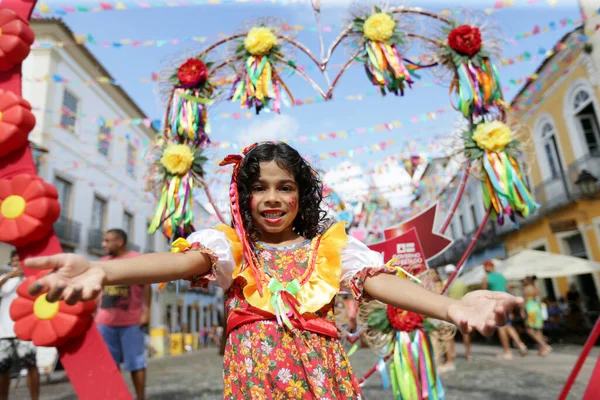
<point x="456" y="291"/>
<point x="496" y="282"/>
<point x="122" y="315"/>
<point x="534" y="322"/>
<point x="12" y="349"/>
<point x="554" y="326"/>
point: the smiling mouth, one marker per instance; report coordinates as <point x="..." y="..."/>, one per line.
<point x="272" y="215"/>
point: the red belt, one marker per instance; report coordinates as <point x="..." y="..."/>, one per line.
<point x="239" y="317"/>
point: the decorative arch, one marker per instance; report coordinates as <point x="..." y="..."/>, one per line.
<point x="582" y="114"/>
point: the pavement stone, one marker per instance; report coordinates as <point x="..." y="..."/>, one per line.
<point x="198" y="376"/>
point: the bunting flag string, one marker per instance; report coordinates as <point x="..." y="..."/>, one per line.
<point x="89" y="39"/>
<point x="526" y="56"/>
<point x="342" y="134"/>
<point x="43" y="9"/>
<point x="148" y="122"/>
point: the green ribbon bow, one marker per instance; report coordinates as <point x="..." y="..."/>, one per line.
<point x="281" y="309"/>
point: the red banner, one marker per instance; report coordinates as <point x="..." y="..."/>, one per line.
<point x="433" y="243"/>
<point x="407" y="249"/>
<point x="413" y="242"/>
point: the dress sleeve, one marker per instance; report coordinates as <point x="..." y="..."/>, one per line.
<point x="216" y="246"/>
<point x="358" y="263"/>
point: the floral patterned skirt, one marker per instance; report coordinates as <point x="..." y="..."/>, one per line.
<point x="265" y="361"/>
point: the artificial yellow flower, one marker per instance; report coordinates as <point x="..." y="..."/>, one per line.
<point x="379" y="27"/>
<point x="260" y="41"/>
<point x="492" y="136"/>
<point x="177" y="159"/>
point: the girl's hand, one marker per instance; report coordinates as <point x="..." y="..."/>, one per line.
<point x="482" y="310"/>
<point x="73" y="279"/>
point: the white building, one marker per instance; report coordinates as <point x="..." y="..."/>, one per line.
<point x="96" y="137"/>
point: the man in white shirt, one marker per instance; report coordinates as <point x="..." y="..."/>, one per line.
<point x="13" y="350"/>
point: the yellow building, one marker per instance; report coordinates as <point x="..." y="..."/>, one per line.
<point x="559" y="112"/>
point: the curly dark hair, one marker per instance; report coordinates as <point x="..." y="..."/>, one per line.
<point x="310" y="220"/>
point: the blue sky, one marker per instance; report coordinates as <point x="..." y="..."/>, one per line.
<point x="130" y="64"/>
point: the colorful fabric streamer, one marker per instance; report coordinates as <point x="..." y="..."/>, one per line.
<point x="385" y="67"/>
<point x="413" y="372"/>
<point x="478" y="87"/>
<point x="188" y="117"/>
<point x="259" y="86"/>
<point x="174" y="214"/>
<point x="504" y="189"/>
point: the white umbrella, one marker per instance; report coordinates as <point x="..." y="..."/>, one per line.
<point x="545" y="265"/>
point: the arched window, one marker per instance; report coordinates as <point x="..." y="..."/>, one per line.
<point x="548" y="140"/>
<point x="587" y="120"/>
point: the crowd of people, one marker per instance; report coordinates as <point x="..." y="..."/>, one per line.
<point x="543" y="321"/>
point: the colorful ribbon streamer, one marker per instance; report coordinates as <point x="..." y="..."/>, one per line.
<point x="259" y="86"/>
<point x="385" y="67"/>
<point x="504" y="189"/>
<point x="478" y="87"/>
<point x="174" y="214"/>
<point x="413" y="372"/>
<point x="188" y="117"/>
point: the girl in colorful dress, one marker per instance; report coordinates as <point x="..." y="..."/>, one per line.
<point x="280" y="267"/>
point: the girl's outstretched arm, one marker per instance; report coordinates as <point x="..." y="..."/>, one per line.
<point x="76" y="279"/>
<point x="482" y="310"/>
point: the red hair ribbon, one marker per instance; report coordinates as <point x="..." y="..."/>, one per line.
<point x="247" y="248"/>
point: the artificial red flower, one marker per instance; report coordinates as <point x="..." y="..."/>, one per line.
<point x="16" y="38"/>
<point x="402" y="320"/>
<point x="192" y="73"/>
<point x="48" y="324"/>
<point x="28" y="208"/>
<point x="465" y="40"/>
<point x="16" y="121"/>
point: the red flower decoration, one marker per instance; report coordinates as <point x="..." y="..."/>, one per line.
<point x="402" y="320"/>
<point x="465" y="40"/>
<point x="16" y="121"/>
<point x="28" y="208"/>
<point x="16" y="38"/>
<point x="192" y="73"/>
<point x="48" y="324"/>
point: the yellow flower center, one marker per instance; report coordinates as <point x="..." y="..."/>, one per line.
<point x="43" y="309"/>
<point x="492" y="136"/>
<point x="177" y="159"/>
<point x="379" y="27"/>
<point x="260" y="41"/>
<point x="12" y="207"/>
<point x="0" y="111"/>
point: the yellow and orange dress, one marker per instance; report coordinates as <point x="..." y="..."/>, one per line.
<point x="300" y="357"/>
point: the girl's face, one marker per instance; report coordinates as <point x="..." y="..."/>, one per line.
<point x="274" y="202"/>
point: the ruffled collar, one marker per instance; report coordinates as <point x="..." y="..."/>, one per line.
<point x="322" y="283"/>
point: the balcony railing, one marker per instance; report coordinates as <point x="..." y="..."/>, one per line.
<point x="95" y="237"/>
<point x="561" y="190"/>
<point x="68" y="231"/>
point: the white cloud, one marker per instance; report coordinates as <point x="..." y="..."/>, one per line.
<point x="279" y="127"/>
<point x="347" y="181"/>
<point x="394" y="183"/>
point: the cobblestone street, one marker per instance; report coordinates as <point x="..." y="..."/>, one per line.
<point x="198" y="376"/>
